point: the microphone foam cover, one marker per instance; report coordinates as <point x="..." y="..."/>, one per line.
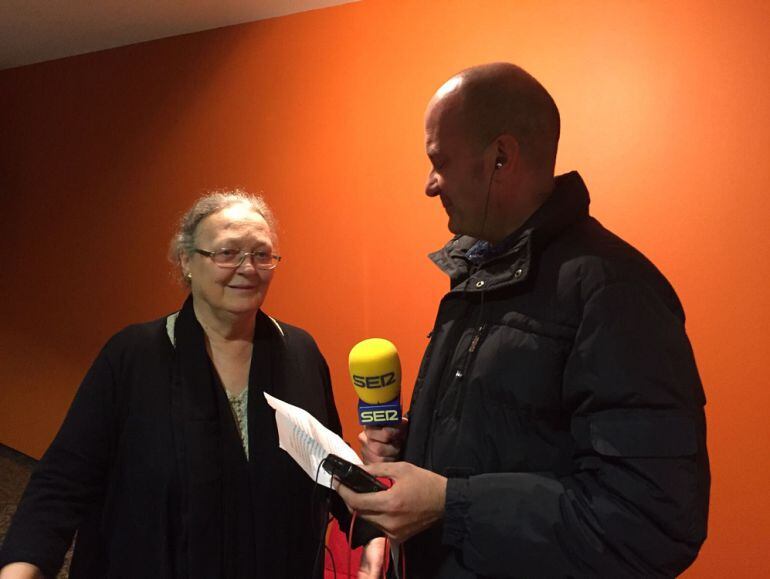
<point x="375" y="370"/>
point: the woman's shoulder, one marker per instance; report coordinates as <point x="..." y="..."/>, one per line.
<point x="286" y="329"/>
<point x="142" y="336"/>
<point x="298" y="341"/>
<point x="292" y="335"/>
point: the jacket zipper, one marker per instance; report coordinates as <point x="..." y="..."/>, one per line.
<point x="461" y="374"/>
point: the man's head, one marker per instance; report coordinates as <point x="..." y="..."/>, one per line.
<point x="491" y="134"/>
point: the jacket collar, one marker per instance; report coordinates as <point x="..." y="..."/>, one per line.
<point x="567" y="205"/>
<point x="171" y="325"/>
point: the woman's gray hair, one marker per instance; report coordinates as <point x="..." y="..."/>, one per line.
<point x="183" y="240"/>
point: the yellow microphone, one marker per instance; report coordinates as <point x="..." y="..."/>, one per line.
<point x="375" y="370"/>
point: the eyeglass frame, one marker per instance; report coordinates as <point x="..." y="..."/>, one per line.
<point x="210" y="254"/>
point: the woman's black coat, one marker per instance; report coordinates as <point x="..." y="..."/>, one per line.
<point x="113" y="471"/>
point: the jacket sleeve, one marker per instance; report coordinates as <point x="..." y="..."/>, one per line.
<point x="68" y="481"/>
<point x="636" y="501"/>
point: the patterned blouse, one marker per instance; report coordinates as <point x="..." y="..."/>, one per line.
<point x="239" y="403"/>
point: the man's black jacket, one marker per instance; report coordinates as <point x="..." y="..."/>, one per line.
<point x="560" y="396"/>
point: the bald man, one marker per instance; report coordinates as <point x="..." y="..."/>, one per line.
<point x="556" y="427"/>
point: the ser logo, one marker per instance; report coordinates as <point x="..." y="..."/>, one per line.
<point x="375" y="381"/>
<point x="390" y="415"/>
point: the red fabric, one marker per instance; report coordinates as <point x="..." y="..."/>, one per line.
<point x="338" y="545"/>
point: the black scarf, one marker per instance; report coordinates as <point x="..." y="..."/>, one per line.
<point x="232" y="508"/>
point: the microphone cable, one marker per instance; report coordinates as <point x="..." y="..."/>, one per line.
<point x="486" y="204"/>
<point x="324" y="525"/>
<point x="323" y="547"/>
<point x="386" y="549"/>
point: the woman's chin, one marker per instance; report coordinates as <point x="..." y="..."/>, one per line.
<point x="246" y="306"/>
<point x="243" y="307"/>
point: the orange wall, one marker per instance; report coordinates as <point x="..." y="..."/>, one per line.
<point x="665" y="113"/>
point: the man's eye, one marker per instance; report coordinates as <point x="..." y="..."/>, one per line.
<point x="262" y="255"/>
<point x="436" y="160"/>
<point x="229" y="252"/>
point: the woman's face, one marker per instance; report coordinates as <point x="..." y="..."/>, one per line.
<point x="238" y="290"/>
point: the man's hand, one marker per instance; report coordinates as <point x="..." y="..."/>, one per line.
<point x="382" y="443"/>
<point x="413" y="503"/>
<point x="372" y="559"/>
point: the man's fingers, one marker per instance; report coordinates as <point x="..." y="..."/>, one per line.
<point x="363" y="503"/>
<point x="386" y="469"/>
<point x="382" y="434"/>
<point x="378" y="449"/>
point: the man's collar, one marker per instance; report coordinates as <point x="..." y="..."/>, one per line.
<point x="568" y="203"/>
<point x="482" y="251"/>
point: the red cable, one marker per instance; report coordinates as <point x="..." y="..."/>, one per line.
<point x="386" y="554"/>
<point x="350" y="542"/>
<point x="386" y="559"/>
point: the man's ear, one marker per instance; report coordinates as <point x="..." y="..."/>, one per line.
<point x="506" y="149"/>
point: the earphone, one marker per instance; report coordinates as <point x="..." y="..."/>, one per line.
<point x="499" y="162"/>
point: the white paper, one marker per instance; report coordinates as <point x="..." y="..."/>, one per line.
<point x="308" y="441"/>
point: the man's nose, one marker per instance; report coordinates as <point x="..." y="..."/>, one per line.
<point x="431" y="185"/>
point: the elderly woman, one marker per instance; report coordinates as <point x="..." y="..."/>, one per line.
<point x="167" y="464"/>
